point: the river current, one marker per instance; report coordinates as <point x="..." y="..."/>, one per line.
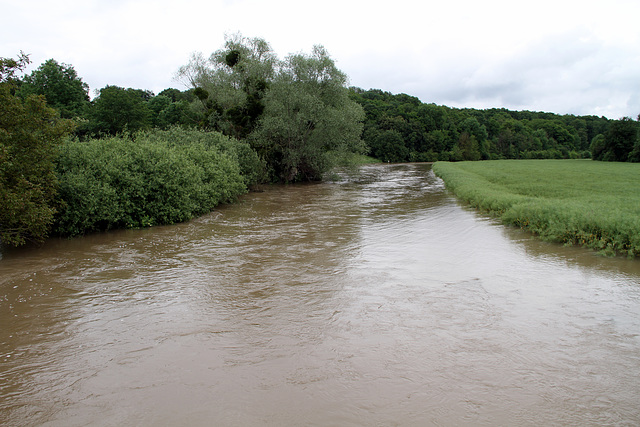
<point x="373" y="299"/>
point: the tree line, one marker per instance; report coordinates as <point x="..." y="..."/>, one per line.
<point x="70" y="164"/>
<point x="231" y="90"/>
<point x="227" y="93"/>
<point x="401" y="128"/>
<point x="130" y="158"/>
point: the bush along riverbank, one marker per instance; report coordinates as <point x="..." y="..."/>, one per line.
<point x="149" y="178"/>
<point x="575" y="202"/>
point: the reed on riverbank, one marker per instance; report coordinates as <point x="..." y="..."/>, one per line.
<point x="580" y="202"/>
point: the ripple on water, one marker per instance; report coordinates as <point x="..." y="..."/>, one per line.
<point x="375" y="299"/>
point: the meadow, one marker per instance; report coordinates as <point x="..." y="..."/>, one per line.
<point x="575" y="202"/>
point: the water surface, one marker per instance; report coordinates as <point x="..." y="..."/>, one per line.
<point x="375" y="300"/>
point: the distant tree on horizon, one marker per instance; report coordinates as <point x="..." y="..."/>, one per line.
<point x="61" y="87"/>
<point x="117" y="109"/>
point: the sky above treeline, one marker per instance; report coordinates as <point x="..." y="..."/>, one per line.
<point x="560" y="56"/>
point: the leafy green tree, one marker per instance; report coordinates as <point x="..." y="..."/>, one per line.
<point x="30" y="133"/>
<point x="634" y="156"/>
<point x="117" y="109"/>
<point x="178" y="113"/>
<point x="472" y="126"/>
<point x="60" y="85"/>
<point x="157" y="104"/>
<point x="177" y="95"/>
<point x="174" y="94"/>
<point x="308" y="117"/>
<point x="172" y="107"/>
<point x="296" y="113"/>
<point x="145" y="95"/>
<point x="620" y="139"/>
<point x="10" y="68"/>
<point x="469" y="148"/>
<point x="436" y="141"/>
<point x="389" y="146"/>
<point x="428" y="129"/>
<point x="232" y="83"/>
<point x="597" y="147"/>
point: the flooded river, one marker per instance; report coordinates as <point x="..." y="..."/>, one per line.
<point x="377" y="299"/>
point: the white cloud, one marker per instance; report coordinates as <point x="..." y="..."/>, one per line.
<point x="564" y="74"/>
<point x="565" y="56"/>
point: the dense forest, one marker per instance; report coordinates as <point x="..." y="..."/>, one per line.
<point x="397" y="127"/>
<point x="128" y="157"/>
<point x="400" y="128"/>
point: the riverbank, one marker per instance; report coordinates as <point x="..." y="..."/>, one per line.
<point x="575" y="202"/>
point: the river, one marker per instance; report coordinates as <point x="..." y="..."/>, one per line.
<point x="374" y="299"/>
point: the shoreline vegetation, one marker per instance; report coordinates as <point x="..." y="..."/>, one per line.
<point x="575" y="202"/>
<point x="129" y="158"/>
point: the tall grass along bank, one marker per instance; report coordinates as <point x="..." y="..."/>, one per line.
<point x="581" y="202"/>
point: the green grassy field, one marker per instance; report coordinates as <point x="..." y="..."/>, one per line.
<point x="580" y="202"/>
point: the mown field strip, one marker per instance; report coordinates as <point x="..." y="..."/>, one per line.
<point x="582" y="202"/>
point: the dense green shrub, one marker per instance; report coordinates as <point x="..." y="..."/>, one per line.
<point x="149" y="178"/>
<point x="252" y="168"/>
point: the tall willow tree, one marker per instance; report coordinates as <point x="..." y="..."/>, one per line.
<point x="296" y="113"/>
<point x="308" y="118"/>
<point x="231" y="84"/>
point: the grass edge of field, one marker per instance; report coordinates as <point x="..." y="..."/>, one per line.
<point x="559" y="221"/>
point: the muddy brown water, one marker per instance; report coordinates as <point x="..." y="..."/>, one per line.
<point x="374" y="300"/>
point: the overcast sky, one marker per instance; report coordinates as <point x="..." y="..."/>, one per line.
<point x="562" y="56"/>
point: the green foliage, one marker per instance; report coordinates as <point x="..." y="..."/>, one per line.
<point x="232" y="58"/>
<point x="296" y="113"/>
<point x="148" y="178"/>
<point x="618" y="142"/>
<point x="60" y="85"/>
<point x="389" y="146"/>
<point x="116" y="110"/>
<point x="308" y="115"/>
<point x="597" y="147"/>
<point x="231" y="84"/>
<point x="252" y="168"/>
<point x="468" y="146"/>
<point x="176" y="95"/>
<point x="10" y="68"/>
<point x="569" y="201"/>
<point x="172" y="107"/>
<point x="634" y="155"/>
<point x="157" y="105"/>
<point x="426" y="129"/>
<point x="30" y="133"/>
